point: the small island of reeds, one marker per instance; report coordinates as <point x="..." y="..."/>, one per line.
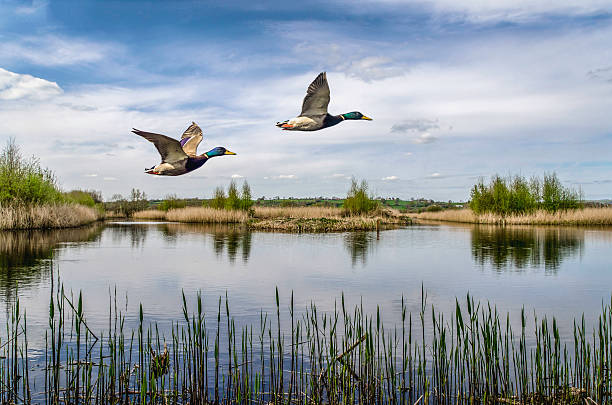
<point x="358" y="212"/>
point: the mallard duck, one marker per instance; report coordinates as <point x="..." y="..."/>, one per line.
<point x="179" y="157"/>
<point x="314" y="115"/>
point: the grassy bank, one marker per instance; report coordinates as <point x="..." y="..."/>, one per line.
<point x="288" y="219"/>
<point x="585" y="216"/>
<point x="470" y="355"/>
<point x="46" y="216"/>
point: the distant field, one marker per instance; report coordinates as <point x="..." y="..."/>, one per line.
<point x="418" y="205"/>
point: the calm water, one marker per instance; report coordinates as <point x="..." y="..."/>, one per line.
<point x="556" y="271"/>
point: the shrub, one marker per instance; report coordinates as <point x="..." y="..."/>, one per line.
<point x="433" y="208"/>
<point x="25" y="181"/>
<point x="171" y="202"/>
<point x="218" y="200"/>
<point x="517" y="196"/>
<point x="233" y="198"/>
<point x="357" y="200"/>
<point x="80" y="197"/>
<point x="245" y="199"/>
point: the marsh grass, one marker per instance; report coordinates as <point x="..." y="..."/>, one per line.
<point x="585" y="216"/>
<point x="46" y="216"/>
<point x="207" y="215"/>
<point x="470" y="355"/>
<point x="287" y="219"/>
<point x="159" y="215"/>
<point x="297" y="212"/>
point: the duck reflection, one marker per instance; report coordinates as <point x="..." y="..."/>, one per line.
<point x="525" y="247"/>
<point x="359" y="244"/>
<point x="25" y="256"/>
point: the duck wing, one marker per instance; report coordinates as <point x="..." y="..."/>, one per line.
<point x="317" y="97"/>
<point x="169" y="149"/>
<point x="191" y="139"/>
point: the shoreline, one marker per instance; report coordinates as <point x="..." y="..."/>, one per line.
<point x="585" y="216"/>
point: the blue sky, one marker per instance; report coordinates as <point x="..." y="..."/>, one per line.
<point x="457" y="90"/>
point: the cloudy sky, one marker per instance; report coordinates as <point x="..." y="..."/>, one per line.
<point x="457" y="90"/>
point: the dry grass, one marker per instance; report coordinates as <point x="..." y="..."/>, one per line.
<point x="207" y="215"/>
<point x="46" y="216"/>
<point x="289" y="219"/>
<point x="297" y="212"/>
<point x="586" y="216"/>
<point x="150" y="214"/>
<point x="321" y="219"/>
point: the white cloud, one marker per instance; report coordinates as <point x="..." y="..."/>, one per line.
<point x="512" y="10"/>
<point x="425" y="138"/>
<point x="390" y="178"/>
<point x="408" y="154"/>
<point x="52" y="50"/>
<point x="91" y="175"/>
<point x="15" y="86"/>
<point x="110" y="178"/>
<point x="237" y="176"/>
<point x="287" y="176"/>
<point x="416" y="125"/>
<point x="434" y="175"/>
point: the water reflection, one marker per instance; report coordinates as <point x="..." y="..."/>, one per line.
<point x="359" y="244"/>
<point x="24" y="255"/>
<point x="232" y="239"/>
<point x="522" y="247"/>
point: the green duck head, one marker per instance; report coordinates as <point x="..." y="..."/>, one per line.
<point x="355" y="115"/>
<point x="218" y="151"/>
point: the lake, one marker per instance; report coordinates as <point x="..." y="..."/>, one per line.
<point x="557" y="271"/>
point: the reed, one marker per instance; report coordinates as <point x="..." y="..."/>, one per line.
<point x="297" y="212"/>
<point x="287" y="219"/>
<point x="585" y="216"/>
<point x="345" y="355"/>
<point x="46" y="216"/>
<point x="159" y="215"/>
<point x="207" y="215"/>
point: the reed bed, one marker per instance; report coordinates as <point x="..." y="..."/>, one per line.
<point x="46" y="216"/>
<point x="150" y="214"/>
<point x="318" y="224"/>
<point x="586" y="216"/>
<point x="207" y="215"/>
<point x="286" y="219"/>
<point x="297" y="212"/>
<point x="472" y="355"/>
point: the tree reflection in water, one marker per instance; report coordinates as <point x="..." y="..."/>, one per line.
<point x="359" y="244"/>
<point x="523" y="247"/>
<point x="26" y="256"/>
<point x="232" y="238"/>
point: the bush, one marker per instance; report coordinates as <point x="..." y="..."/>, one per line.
<point x="246" y="201"/>
<point x="218" y="200"/>
<point x="171" y="202"/>
<point x="357" y="200"/>
<point x="234" y="200"/>
<point x="433" y="208"/>
<point x="25" y="181"/>
<point x="137" y="202"/>
<point x="518" y="196"/>
<point x="80" y="197"/>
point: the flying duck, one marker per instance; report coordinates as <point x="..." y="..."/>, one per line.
<point x="179" y="157"/>
<point x="314" y="115"/>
